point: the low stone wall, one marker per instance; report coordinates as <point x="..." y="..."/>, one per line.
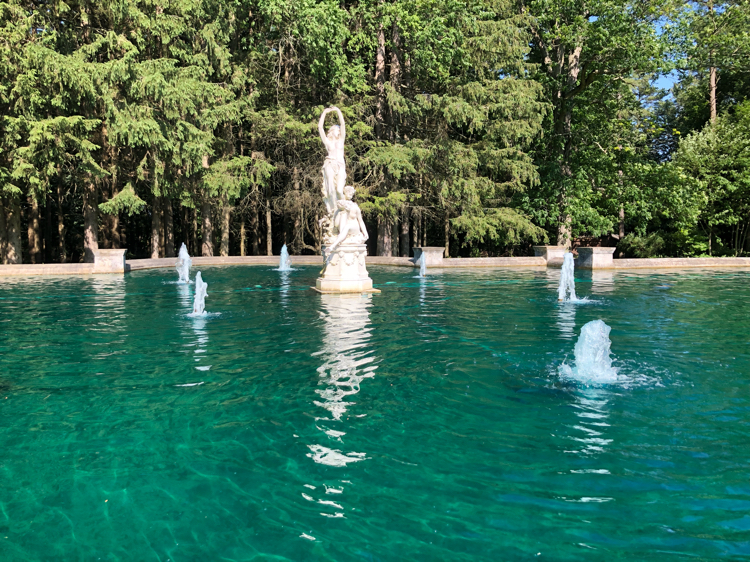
<point x="198" y="261"/>
<point x="660" y="263"/>
<point x="134" y="265"/>
<point x="270" y="261"/>
<point x="105" y="261"/>
<point x="47" y="269"/>
<point x="523" y="261"/>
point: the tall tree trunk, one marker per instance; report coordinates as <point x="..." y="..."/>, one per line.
<point x="207" y="248"/>
<point x="186" y="227"/>
<point x="242" y="236"/>
<point x="254" y="229"/>
<point x="13" y="248"/>
<point x="62" y="253"/>
<point x="712" y="93"/>
<point x="395" y="77"/>
<point x="563" y="127"/>
<point x="285" y="228"/>
<point x="380" y="84"/>
<point x="404" y="239"/>
<point x="269" y="231"/>
<point x="168" y="228"/>
<point x="156" y="229"/>
<point x="162" y="228"/>
<point x="113" y="220"/>
<point x="47" y="229"/>
<point x="90" y="221"/>
<point x="194" y="247"/>
<point x="117" y="241"/>
<point x="622" y="222"/>
<point x="35" y="247"/>
<point x="394" y="238"/>
<point x="564" y="228"/>
<point x="447" y="236"/>
<point x="105" y="230"/>
<point x="298" y="238"/>
<point x="297" y="234"/>
<point x="385" y="231"/>
<point x="416" y="232"/>
<point x="3" y="233"/>
<point x="226" y="215"/>
<point x="122" y="233"/>
<point x="712" y="74"/>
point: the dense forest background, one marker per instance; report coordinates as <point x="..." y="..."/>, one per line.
<point x="486" y="126"/>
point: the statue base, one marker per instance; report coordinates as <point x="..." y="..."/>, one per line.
<point x="345" y="271"/>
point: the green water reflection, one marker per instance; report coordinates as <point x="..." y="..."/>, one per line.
<point x="424" y="423"/>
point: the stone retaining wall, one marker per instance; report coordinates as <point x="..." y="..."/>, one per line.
<point x="134" y="265"/>
<point x="47" y="269"/>
<point x="198" y="261"/>
<point x="523" y="261"/>
<point x="659" y="263"/>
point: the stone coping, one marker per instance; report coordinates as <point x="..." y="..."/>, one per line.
<point x="27" y="269"/>
<point x="538" y="261"/>
<point x="523" y="261"/>
<point x="662" y="263"/>
<point x="134" y="265"/>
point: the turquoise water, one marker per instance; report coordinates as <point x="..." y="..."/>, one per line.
<point x="424" y="423"/>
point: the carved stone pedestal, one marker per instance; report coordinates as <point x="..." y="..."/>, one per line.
<point x="345" y="271"/>
<point x="433" y="255"/>
<point x="109" y="261"/>
<point x="553" y="254"/>
<point x="595" y="258"/>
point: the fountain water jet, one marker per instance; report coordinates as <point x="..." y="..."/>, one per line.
<point x="200" y="295"/>
<point x="422" y="265"/>
<point x="183" y="264"/>
<point x="593" y="365"/>
<point x="567" y="279"/>
<point x="284" y="264"/>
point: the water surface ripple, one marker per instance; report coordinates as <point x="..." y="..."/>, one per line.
<point x="424" y="423"/>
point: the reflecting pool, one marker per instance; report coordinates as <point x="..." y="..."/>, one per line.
<point x="428" y="422"/>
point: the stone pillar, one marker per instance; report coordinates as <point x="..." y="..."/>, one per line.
<point x="595" y="258"/>
<point x="433" y="255"/>
<point x="109" y="261"/>
<point x="345" y="271"/>
<point x="553" y="254"/>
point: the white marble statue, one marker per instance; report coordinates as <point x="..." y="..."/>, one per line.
<point x="344" y="231"/>
<point x="334" y="166"/>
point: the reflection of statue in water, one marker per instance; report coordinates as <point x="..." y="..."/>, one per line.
<point x="334" y="166"/>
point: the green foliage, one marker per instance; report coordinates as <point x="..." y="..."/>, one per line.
<point x="634" y="246"/>
<point x="513" y="122"/>
<point x="718" y="158"/>
<point x="126" y="201"/>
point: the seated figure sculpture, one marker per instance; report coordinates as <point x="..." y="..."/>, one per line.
<point x="348" y="222"/>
